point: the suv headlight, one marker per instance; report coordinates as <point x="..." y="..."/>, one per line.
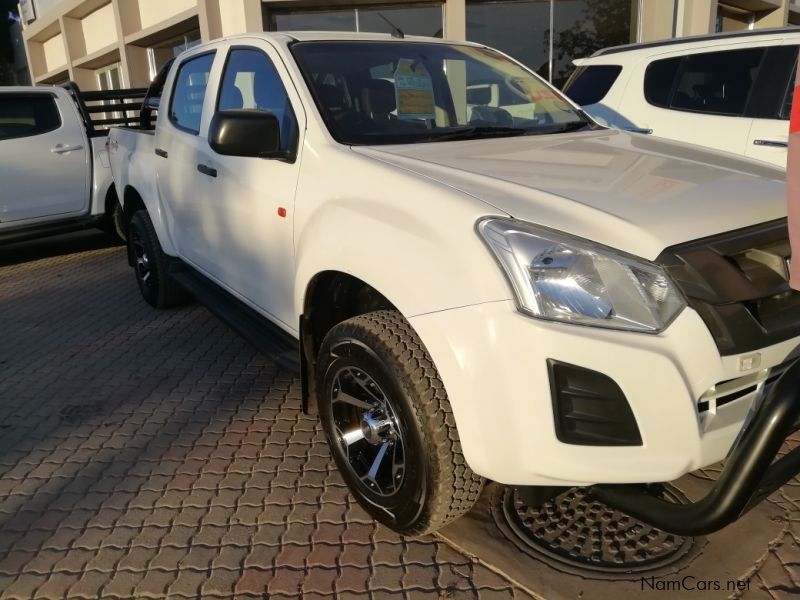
<point x="559" y="277"/>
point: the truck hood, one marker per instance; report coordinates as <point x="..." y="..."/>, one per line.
<point x="633" y="192"/>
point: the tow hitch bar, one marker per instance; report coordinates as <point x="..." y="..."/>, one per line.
<point x="749" y="475"/>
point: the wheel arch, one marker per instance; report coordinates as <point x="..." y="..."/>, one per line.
<point x="330" y="298"/>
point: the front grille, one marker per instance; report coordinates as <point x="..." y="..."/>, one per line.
<point x="738" y="284"/>
<point x="732" y="389"/>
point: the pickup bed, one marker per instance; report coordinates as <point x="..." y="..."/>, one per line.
<point x="53" y="159"/>
<point x="473" y="279"/>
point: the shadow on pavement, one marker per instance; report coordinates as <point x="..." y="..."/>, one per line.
<point x="58" y="245"/>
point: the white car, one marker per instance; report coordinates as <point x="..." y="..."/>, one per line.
<point x="53" y="160"/>
<point x="472" y="292"/>
<point x="729" y="91"/>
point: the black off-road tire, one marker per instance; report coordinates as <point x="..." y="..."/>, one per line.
<point x="150" y="265"/>
<point x="438" y="485"/>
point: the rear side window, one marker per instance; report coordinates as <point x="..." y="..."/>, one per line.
<point x="25" y="115"/>
<point x="712" y="82"/>
<point x="590" y="84"/>
<point x="659" y="79"/>
<point x="189" y="91"/>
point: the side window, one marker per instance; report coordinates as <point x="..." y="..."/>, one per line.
<point x="186" y="104"/>
<point x="250" y="81"/>
<point x="786" y="106"/>
<point x="717" y="82"/>
<point x="25" y="115"/>
<point x="590" y="84"/>
<point x="659" y="79"/>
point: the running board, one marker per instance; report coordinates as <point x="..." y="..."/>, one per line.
<point x="268" y="338"/>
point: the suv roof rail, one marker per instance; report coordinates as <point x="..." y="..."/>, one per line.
<point x="696" y="38"/>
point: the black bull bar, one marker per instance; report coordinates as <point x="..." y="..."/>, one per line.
<point x="749" y="476"/>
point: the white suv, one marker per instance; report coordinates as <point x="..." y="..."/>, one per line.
<point x="729" y="92"/>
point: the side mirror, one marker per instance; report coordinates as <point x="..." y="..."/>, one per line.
<point x="253" y="133"/>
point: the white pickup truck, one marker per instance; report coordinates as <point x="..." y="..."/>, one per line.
<point x="473" y="284"/>
<point x="53" y="161"/>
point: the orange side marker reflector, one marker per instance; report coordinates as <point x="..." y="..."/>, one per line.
<point x="281" y="211"/>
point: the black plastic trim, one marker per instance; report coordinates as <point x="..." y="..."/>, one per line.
<point x="54" y="227"/>
<point x="589" y="408"/>
<point x="749" y="476"/>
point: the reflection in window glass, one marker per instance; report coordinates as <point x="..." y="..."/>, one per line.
<point x="518" y="28"/>
<point x="717" y="82"/>
<point x="186" y="105"/>
<point x="584" y="26"/>
<point x="412" y="20"/>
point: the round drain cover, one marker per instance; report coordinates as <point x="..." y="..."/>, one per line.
<point x="575" y="532"/>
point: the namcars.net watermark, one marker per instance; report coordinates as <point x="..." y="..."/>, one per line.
<point x="690" y="583"/>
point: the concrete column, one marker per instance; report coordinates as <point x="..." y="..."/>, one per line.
<point x="773" y="18"/>
<point x="696" y="17"/>
<point x="218" y="19"/>
<point x="658" y="19"/>
<point x="455" y="20"/>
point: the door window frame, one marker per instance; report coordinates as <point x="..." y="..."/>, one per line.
<point x="174" y="82"/>
<point x="295" y="142"/>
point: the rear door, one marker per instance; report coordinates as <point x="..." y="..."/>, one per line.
<point x="701" y="98"/>
<point x="44" y="157"/>
<point x="770" y="105"/>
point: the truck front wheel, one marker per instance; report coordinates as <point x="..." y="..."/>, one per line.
<point x="389" y="425"/>
<point x="151" y="264"/>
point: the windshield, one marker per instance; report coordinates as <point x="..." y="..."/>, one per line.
<point x="397" y="92"/>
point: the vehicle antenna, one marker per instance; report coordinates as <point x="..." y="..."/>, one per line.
<point x="396" y="31"/>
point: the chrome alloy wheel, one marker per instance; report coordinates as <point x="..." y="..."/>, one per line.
<point x="367" y="431"/>
<point x="141" y="259"/>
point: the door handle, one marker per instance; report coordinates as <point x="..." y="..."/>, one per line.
<point x="63" y="148"/>
<point x="161" y="153"/>
<point x="206" y="170"/>
<point x="771" y="143"/>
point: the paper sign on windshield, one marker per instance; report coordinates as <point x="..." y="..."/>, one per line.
<point x="793" y="186"/>
<point x="414" y="89"/>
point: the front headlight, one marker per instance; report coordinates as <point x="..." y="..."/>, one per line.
<point x="564" y="278"/>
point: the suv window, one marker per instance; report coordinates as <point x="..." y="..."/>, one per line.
<point x="710" y="82"/>
<point x="25" y="115"/>
<point x="186" y="105"/>
<point x="590" y="84"/>
<point x="659" y="79"/>
<point x="251" y="81"/>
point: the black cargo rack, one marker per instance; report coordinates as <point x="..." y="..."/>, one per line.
<point x="104" y="109"/>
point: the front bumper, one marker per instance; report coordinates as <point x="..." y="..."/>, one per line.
<point x="749" y="476"/>
<point x="494" y="364"/>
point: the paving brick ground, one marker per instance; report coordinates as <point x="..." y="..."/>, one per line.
<point x="146" y="454"/>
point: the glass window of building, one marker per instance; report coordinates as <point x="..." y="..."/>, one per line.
<point x="417" y="19"/>
<point x="546" y="35"/>
<point x="160" y="53"/>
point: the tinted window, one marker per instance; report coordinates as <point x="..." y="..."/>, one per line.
<point x="658" y="81"/>
<point x="717" y="82"/>
<point x="27" y="115"/>
<point x="186" y="106"/>
<point x="786" y="106"/>
<point x="251" y="81"/>
<point x="589" y="85"/>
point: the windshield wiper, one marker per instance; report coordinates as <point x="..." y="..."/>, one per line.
<point x="469" y="133"/>
<point x="561" y="127"/>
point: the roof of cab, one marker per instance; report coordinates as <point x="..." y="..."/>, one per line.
<point x="320" y="36"/>
<point x="690" y="42"/>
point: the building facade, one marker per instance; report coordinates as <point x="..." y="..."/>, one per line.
<point x="108" y="44"/>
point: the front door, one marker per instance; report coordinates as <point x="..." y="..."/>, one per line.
<point x="248" y="203"/>
<point x="44" y="158"/>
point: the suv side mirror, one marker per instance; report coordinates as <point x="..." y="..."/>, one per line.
<point x="242" y="132"/>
